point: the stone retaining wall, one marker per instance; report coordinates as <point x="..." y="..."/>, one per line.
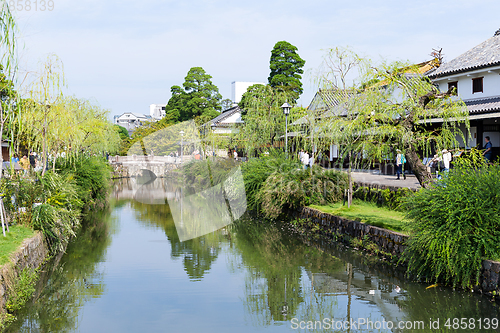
<point x="389" y="241"/>
<point x="31" y="254"/>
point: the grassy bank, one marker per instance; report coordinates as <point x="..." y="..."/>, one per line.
<point x="366" y="212"/>
<point x="13" y="240"/>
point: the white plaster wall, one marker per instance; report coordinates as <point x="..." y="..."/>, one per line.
<point x="491" y="83"/>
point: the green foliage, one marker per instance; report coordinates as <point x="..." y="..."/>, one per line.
<point x="197" y="99"/>
<point x="263" y="116"/>
<point x="57" y="216"/>
<point x="122" y="132"/>
<point x="388" y="109"/>
<point x="299" y="188"/>
<point x="207" y="173"/>
<point x="274" y="183"/>
<point x="286" y="69"/>
<point x="455" y="224"/>
<point x="5" y="320"/>
<point x="257" y="170"/>
<point x="386" y="197"/>
<point x="92" y="175"/>
<point x="22" y="290"/>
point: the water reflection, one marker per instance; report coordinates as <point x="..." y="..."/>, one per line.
<point x="196" y="254"/>
<point x="69" y="281"/>
<point x="253" y="272"/>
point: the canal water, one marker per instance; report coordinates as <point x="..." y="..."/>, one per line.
<point x="127" y="271"/>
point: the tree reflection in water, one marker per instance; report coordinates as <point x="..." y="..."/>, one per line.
<point x="197" y="254"/>
<point x="275" y="261"/>
<point x="68" y="281"/>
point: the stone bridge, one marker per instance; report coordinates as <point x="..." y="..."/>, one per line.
<point x="132" y="166"/>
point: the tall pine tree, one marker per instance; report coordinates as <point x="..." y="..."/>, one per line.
<point x="286" y="69"/>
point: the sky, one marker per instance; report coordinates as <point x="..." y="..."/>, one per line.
<point x="126" y="55"/>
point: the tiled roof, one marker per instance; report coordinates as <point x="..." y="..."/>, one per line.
<point x="483" y="105"/>
<point x="226" y="114"/>
<point x="486" y="54"/>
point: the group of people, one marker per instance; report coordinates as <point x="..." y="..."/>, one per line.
<point x="307" y="161"/>
<point x="26" y="163"/>
<point x="442" y="160"/>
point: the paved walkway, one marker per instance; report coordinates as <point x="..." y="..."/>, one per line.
<point x="374" y="177"/>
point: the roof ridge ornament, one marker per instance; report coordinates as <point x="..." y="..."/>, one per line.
<point x="497" y="33"/>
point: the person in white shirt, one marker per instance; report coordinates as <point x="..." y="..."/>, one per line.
<point x="446" y="160"/>
<point x="305" y="159"/>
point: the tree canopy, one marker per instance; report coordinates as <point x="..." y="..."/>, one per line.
<point x="286" y="69"/>
<point x="263" y="115"/>
<point x="390" y="109"/>
<point x="197" y="99"/>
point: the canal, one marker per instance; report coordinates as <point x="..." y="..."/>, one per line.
<point x="127" y="271"/>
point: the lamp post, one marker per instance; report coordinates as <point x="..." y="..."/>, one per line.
<point x="286" y="110"/>
<point x="213" y="126"/>
<point x="182" y="135"/>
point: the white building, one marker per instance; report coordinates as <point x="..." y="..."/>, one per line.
<point x="239" y="88"/>
<point x="476" y="75"/>
<point x="131" y="120"/>
<point x="157" y="111"/>
<point x="227" y="122"/>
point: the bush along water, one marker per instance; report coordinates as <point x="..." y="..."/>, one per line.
<point x="455" y="224"/>
<point x="274" y="184"/>
<point x="54" y="203"/>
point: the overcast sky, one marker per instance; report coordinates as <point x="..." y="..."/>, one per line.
<point x="127" y="54"/>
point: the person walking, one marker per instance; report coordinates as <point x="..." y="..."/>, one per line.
<point x="25" y="164"/>
<point x="32" y="160"/>
<point x="400" y="164"/>
<point x="488" y="153"/>
<point x="305" y="159"/>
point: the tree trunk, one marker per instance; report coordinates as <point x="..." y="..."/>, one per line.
<point x="349" y="180"/>
<point x="419" y="169"/>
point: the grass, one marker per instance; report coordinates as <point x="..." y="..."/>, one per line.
<point x="12" y="241"/>
<point x="366" y="212"/>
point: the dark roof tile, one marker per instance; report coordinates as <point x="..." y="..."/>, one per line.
<point x="486" y="54"/>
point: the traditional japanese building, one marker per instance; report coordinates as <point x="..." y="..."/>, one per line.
<point x="476" y="76"/>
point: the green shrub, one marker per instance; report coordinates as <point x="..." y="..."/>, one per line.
<point x="257" y="170"/>
<point x="57" y="215"/>
<point x="297" y="188"/>
<point x="92" y="175"/>
<point x="22" y="290"/>
<point x="388" y="198"/>
<point x="455" y="224"/>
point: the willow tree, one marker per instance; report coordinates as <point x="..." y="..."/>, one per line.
<point x="391" y="108"/>
<point x="263" y="116"/>
<point x="340" y="72"/>
<point x="46" y="93"/>
<point x="8" y="63"/>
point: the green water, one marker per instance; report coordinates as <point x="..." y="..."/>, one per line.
<point x="128" y="272"/>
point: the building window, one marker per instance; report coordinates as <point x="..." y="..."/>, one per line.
<point x="477" y="85"/>
<point x="454" y="85"/>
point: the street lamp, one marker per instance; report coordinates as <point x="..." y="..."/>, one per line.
<point x="286" y="110"/>
<point x="213" y="137"/>
<point x="182" y="135"/>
